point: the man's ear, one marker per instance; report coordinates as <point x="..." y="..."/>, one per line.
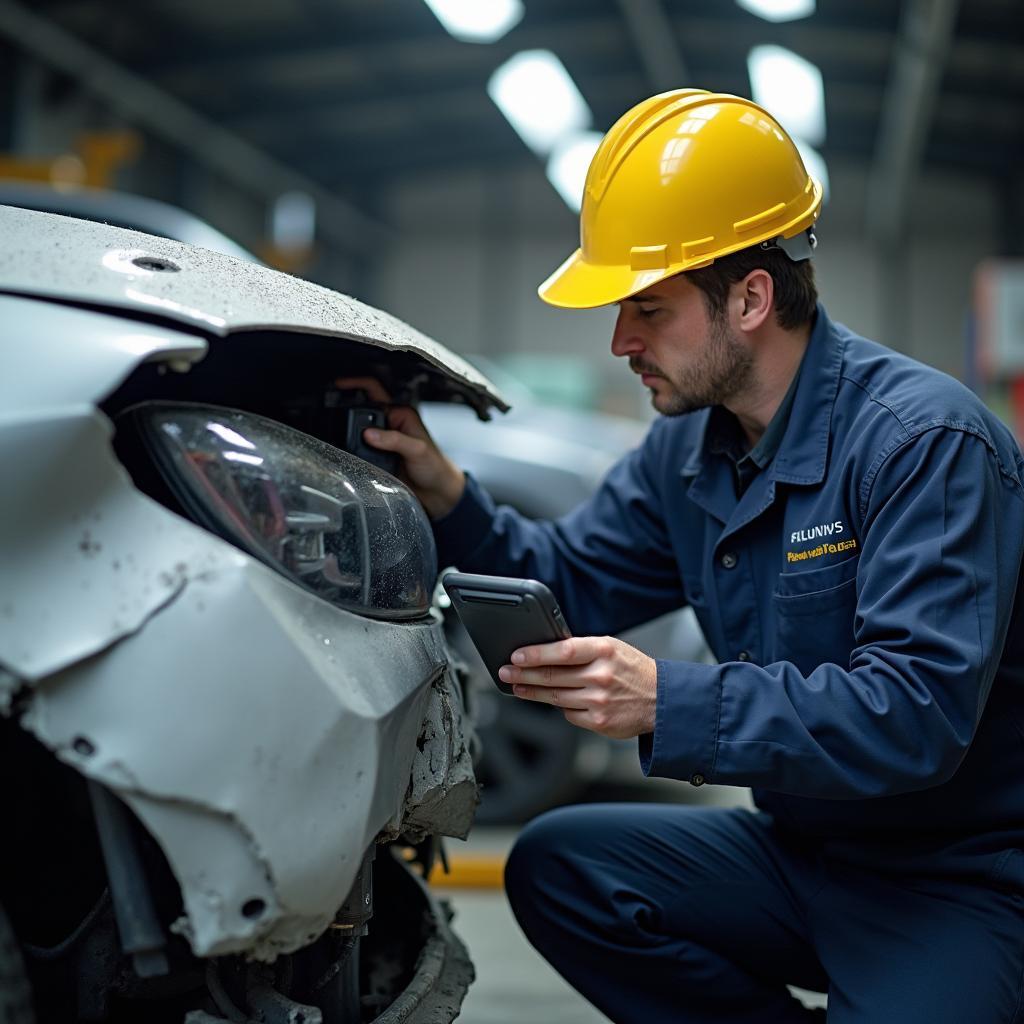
<point x="757" y="294"/>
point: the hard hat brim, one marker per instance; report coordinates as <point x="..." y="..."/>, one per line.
<point x="577" y="284"/>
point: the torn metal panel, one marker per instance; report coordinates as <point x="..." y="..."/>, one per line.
<point x="265" y="753"/>
<point x="68" y="259"/>
<point x="443" y="793"/>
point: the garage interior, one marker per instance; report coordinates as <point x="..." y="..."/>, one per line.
<point x="358" y="143"/>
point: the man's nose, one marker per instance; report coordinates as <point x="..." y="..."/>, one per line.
<point x="625" y="341"/>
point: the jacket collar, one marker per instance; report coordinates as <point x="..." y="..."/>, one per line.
<point x="803" y="452"/>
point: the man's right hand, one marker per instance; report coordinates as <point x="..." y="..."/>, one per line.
<point x="429" y="473"/>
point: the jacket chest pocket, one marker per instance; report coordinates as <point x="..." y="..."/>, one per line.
<point x="814" y="616"/>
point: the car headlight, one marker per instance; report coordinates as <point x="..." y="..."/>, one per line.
<point x="335" y="524"/>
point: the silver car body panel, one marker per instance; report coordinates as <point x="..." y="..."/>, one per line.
<point x="64" y="358"/>
<point x="263" y="736"/>
<point x="86" y="558"/>
<point x="79" y="261"/>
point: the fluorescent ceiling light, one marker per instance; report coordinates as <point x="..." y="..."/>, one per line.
<point x="778" y="10"/>
<point x="815" y="164"/>
<point x="477" y="21"/>
<point x="539" y="98"/>
<point x="790" y="88"/>
<point x="568" y="165"/>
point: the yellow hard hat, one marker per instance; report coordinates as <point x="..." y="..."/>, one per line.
<point x="681" y="179"/>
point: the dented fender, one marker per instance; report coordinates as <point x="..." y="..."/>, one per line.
<point x="264" y="737"/>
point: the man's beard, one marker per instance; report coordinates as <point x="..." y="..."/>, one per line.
<point x="722" y="370"/>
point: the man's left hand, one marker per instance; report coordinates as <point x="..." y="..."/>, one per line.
<point x="598" y="682"/>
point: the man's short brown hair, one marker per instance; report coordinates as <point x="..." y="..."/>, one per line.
<point x="796" y="295"/>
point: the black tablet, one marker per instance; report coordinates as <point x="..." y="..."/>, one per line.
<point x="502" y="614"/>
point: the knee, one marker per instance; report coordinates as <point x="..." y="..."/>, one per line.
<point x="543" y="853"/>
<point x="531" y="850"/>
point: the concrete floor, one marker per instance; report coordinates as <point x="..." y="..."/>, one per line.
<point x="514" y="983"/>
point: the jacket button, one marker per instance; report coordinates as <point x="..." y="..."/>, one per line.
<point x="729" y="560"/>
<point x="697" y="780"/>
<point x="743" y="656"/>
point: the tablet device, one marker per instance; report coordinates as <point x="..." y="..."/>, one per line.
<point x="502" y="614"/>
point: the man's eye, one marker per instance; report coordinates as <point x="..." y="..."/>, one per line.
<point x="648" y="312"/>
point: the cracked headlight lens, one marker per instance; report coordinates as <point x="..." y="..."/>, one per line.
<point x="335" y="524"/>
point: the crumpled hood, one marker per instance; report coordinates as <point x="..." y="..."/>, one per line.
<point x="70" y="260"/>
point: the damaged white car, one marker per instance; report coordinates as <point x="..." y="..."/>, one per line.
<point x="229" y="724"/>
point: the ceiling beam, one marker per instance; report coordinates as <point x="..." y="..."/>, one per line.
<point x="713" y="35"/>
<point x="656" y="42"/>
<point x="919" y="59"/>
<point x="353" y="57"/>
<point x="205" y="141"/>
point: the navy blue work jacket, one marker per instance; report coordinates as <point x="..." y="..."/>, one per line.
<point x="859" y="596"/>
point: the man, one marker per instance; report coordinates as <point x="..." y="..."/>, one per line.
<point x="848" y="526"/>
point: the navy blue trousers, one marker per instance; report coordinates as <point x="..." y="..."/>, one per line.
<point x="663" y="914"/>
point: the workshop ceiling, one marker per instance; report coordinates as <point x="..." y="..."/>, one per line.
<point x="356" y="93"/>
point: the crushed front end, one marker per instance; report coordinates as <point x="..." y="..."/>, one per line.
<point x="226" y="705"/>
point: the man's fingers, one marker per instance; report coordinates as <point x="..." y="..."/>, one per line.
<point x="543" y="675"/>
<point x="407" y="420"/>
<point x="395" y="441"/>
<point x="554" y="664"/>
<point x="577" y="650"/>
<point x="373" y="387"/>
<point x="566" y="698"/>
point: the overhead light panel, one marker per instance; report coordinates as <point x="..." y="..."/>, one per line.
<point x="568" y="165"/>
<point x="789" y="88"/>
<point x="477" y="21"/>
<point x="539" y="98"/>
<point x="779" y="10"/>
